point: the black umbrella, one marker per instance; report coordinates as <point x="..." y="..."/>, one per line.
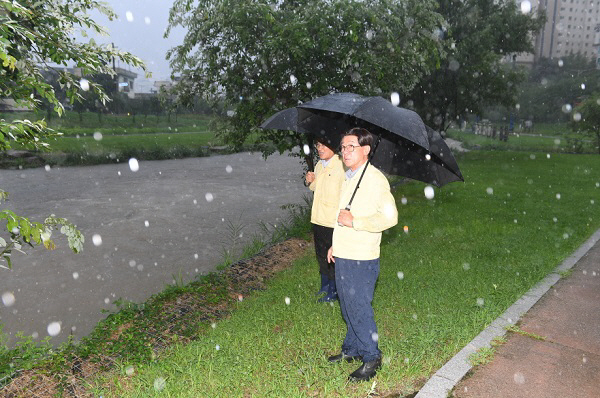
<point x="406" y="146"/>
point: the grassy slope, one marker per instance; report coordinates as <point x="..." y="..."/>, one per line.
<point x="469" y="254"/>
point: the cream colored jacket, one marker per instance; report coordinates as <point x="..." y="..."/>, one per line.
<point x="373" y="210"/>
<point x="327" y="185"/>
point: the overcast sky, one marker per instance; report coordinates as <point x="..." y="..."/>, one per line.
<point x="139" y="30"/>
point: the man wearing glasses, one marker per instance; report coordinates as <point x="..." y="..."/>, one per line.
<point x="326" y="182"/>
<point x="355" y="251"/>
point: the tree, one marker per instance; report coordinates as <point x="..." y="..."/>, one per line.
<point x="586" y="118"/>
<point x="481" y="34"/>
<point x="261" y="56"/>
<point x="37" y="35"/>
<point x="555" y="86"/>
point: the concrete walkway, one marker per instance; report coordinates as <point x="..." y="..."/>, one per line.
<point x="566" y="363"/>
<point x="169" y="219"/>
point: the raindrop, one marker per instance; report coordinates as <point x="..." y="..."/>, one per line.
<point x="134" y="165"/>
<point x="560" y="63"/>
<point x="308" y="85"/>
<point x="375" y="337"/>
<point x="213" y="325"/>
<point x="525" y="7"/>
<point x="466" y="266"/>
<point x="75" y="275"/>
<point x="404" y="201"/>
<point x="240" y="297"/>
<point x="554" y="219"/>
<point x="106" y="300"/>
<point x="518" y="106"/>
<point x="453" y="65"/>
<point x="53" y="328"/>
<point x="577" y="116"/>
<point x="400" y="275"/>
<point x="217" y="347"/>
<point x="370" y="34"/>
<point x="287" y="301"/>
<point x="429" y="192"/>
<point x="146" y="223"/>
<point x="414" y="316"/>
<point x="159" y="383"/>
<point x="47" y="167"/>
<point x="592" y="201"/>
<point x="548" y="156"/>
<point x="306" y="149"/>
<point x="427" y="157"/>
<point x="557" y="196"/>
<point x="565" y="236"/>
<point x="129" y="16"/>
<point x="406" y="229"/>
<point x="395" y="98"/>
<point x="293" y="80"/>
<point x="557" y="141"/>
<point x="132" y="263"/>
<point x="97" y="239"/>
<point x="8" y="299"/>
<point x="230" y="113"/>
<point x="129" y="370"/>
<point x="84" y="84"/>
<point x="532" y="156"/>
<point x="147" y="20"/>
<point x="489" y="190"/>
<point x="480" y="302"/>
<point x="196" y="256"/>
<point x="583" y="86"/>
<point x="97" y="136"/>
<point x="209" y="197"/>
<point x="228" y="169"/>
<point x="519" y="378"/>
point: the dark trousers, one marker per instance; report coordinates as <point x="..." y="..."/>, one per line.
<point x="322" y="237"/>
<point x="355" y="282"/>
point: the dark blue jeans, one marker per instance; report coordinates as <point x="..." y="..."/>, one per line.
<point x="355" y="281"/>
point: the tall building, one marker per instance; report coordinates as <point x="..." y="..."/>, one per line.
<point x="572" y="27"/>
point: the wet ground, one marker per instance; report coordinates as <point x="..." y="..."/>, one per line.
<point x="166" y="222"/>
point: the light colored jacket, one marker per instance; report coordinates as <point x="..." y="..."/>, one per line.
<point x="373" y="210"/>
<point x="327" y="185"/>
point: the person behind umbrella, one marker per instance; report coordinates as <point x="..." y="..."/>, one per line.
<point x="355" y="251"/>
<point x="326" y="182"/>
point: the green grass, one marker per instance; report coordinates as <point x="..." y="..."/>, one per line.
<point x="71" y="124"/>
<point x="468" y="255"/>
<point x="520" y="142"/>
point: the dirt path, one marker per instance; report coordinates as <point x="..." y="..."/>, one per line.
<point x="168" y="220"/>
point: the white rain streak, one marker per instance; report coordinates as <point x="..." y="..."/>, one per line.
<point x="293" y="80"/>
<point x="480" y="302"/>
<point x="97" y="239"/>
<point x="47" y="167"/>
<point x="519" y="378"/>
<point x="160" y="383"/>
<point x="53" y="328"/>
<point x="525" y="7"/>
<point x="404" y="201"/>
<point x="287" y="301"/>
<point x="209" y="197"/>
<point x="395" y="99"/>
<point x="84" y="84"/>
<point x="129" y="16"/>
<point x="577" y="117"/>
<point x="134" y="164"/>
<point x="217" y="347"/>
<point x="400" y="275"/>
<point x="558" y="196"/>
<point x="228" y="169"/>
<point x="375" y="337"/>
<point x="466" y="266"/>
<point x="429" y="192"/>
<point x="147" y="20"/>
<point x="306" y="149"/>
<point x="130" y="370"/>
<point x="75" y="275"/>
<point x="489" y="190"/>
<point x="8" y="299"/>
<point x="98" y="136"/>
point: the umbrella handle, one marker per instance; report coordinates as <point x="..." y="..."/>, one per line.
<point x="363" y="172"/>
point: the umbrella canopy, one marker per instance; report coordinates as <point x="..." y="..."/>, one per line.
<point x="407" y="147"/>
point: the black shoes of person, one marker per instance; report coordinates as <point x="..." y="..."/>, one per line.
<point x="343" y="357"/>
<point x="366" y="371"/>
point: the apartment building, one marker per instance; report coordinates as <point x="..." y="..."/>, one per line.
<point x="572" y="27"/>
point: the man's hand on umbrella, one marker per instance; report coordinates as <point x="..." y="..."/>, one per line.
<point x="309" y="178"/>
<point x="345" y="218"/>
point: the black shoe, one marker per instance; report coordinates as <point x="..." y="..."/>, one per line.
<point x="343" y="357"/>
<point x="366" y="371"/>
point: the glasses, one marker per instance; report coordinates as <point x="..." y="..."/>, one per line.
<point x="348" y="148"/>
